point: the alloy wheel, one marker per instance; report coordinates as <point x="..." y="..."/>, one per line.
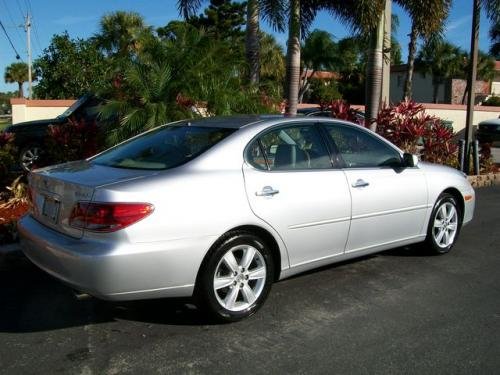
<point x="239" y="278"/>
<point x="445" y="225"/>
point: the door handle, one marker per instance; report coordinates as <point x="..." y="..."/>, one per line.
<point x="360" y="183"/>
<point x="266" y="191"/>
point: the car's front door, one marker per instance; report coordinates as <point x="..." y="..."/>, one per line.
<point x="290" y="184"/>
<point x="389" y="201"/>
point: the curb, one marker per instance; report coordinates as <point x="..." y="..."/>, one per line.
<point x="484" y="180"/>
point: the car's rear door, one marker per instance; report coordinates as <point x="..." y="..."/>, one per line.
<point x="290" y="184"/>
<point x="389" y="201"/>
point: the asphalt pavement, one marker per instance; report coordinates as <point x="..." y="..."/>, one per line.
<point x="391" y="313"/>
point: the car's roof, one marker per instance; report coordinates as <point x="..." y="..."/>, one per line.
<point x="230" y="122"/>
<point x="495" y="121"/>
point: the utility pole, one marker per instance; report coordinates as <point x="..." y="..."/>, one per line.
<point x="27" y="28"/>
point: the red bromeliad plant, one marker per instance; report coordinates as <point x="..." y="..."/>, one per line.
<point x="410" y="128"/>
<point x="74" y="140"/>
<point x="342" y="110"/>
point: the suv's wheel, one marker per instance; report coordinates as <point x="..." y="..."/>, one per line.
<point x="30" y="157"/>
<point x="237" y="277"/>
<point x="444" y="224"/>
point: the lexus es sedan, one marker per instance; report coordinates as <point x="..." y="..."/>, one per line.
<point x="220" y="208"/>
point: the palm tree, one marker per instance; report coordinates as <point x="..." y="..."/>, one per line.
<point x="189" y="7"/>
<point x="319" y="52"/>
<point x="367" y="18"/>
<point x="427" y="21"/>
<point x="17" y="73"/>
<point x="441" y="60"/>
<point x="120" y="33"/>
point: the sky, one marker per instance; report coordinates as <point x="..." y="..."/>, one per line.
<point x="81" y="20"/>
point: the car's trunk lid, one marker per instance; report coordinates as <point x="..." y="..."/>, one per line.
<point x="56" y="190"/>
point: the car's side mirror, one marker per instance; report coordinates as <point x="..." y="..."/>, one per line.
<point x="410" y="160"/>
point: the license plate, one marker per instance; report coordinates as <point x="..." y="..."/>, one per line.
<point x="50" y="209"/>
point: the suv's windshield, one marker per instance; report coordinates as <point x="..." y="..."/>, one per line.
<point x="73" y="107"/>
<point x="163" y="148"/>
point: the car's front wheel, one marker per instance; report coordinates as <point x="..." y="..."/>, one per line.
<point x="237" y="277"/>
<point x="444" y="224"/>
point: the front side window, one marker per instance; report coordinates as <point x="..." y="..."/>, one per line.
<point x="163" y="148"/>
<point x="358" y="149"/>
<point x="289" y="148"/>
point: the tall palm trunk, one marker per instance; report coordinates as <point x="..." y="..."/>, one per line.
<point x="412" y="50"/>
<point x="252" y="41"/>
<point x="20" y="89"/>
<point x="293" y="59"/>
<point x="374" y="73"/>
<point x="471" y="80"/>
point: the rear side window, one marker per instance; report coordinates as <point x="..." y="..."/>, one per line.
<point x="163" y="148"/>
<point x="289" y="148"/>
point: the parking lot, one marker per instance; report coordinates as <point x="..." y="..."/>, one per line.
<point x="395" y="312"/>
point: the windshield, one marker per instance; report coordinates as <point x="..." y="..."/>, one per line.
<point x="73" y="107"/>
<point x="163" y="148"/>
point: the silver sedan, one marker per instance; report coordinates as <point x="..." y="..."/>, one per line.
<point x="220" y="208"/>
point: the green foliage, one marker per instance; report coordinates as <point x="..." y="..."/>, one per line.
<point x="323" y="91"/>
<point x="5" y="101"/>
<point x="69" y="68"/>
<point x="223" y="19"/>
<point x="493" y="101"/>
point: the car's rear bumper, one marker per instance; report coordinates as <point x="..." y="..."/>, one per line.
<point x="115" y="271"/>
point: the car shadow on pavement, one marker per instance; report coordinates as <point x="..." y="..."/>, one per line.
<point x="33" y="301"/>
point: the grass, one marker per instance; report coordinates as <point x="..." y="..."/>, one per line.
<point x="4" y="123"/>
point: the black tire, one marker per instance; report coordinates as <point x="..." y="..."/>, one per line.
<point x="30" y="157"/>
<point x="211" y="300"/>
<point x="431" y="241"/>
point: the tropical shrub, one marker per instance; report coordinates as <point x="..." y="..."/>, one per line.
<point x="7" y="152"/>
<point x="342" y="110"/>
<point x="411" y="129"/>
<point x="321" y="91"/>
<point x="75" y="140"/>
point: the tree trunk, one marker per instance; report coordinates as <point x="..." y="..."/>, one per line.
<point x="412" y="50"/>
<point x="471" y="82"/>
<point x="293" y="59"/>
<point x="20" y="89"/>
<point x="304" y="83"/>
<point x="252" y="41"/>
<point x="435" y="88"/>
<point x="374" y="74"/>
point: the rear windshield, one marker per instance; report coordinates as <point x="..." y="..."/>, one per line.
<point x="163" y="148"/>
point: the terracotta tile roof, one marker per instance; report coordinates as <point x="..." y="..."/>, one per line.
<point x="322" y="75"/>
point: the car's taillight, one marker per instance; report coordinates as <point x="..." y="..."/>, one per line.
<point x="108" y="217"/>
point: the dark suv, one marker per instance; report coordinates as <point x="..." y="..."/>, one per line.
<point x="30" y="136"/>
<point x="489" y="131"/>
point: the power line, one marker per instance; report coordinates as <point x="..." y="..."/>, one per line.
<point x="20" y="8"/>
<point x="16" y="26"/>
<point x="10" y="41"/>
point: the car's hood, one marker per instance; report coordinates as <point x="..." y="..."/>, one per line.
<point x="30" y="124"/>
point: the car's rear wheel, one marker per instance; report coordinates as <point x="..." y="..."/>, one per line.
<point x="444" y="224"/>
<point x="30" y="157"/>
<point x="236" y="277"/>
